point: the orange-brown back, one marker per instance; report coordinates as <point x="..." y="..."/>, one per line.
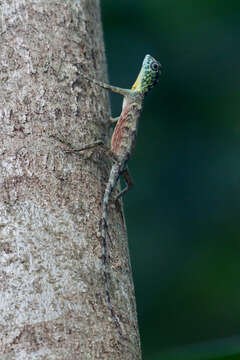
<point x="124" y="135"/>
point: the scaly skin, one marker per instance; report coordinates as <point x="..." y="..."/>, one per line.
<point x="122" y="146"/>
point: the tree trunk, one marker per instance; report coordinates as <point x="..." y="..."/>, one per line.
<point x="53" y="301"/>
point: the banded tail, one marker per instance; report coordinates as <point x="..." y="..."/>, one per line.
<point x="113" y="178"/>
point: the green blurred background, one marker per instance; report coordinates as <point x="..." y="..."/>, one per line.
<point x="183" y="214"/>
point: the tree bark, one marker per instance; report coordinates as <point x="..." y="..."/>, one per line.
<point x="53" y="302"/>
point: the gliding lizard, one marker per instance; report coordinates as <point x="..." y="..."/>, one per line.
<point x="122" y="146"/>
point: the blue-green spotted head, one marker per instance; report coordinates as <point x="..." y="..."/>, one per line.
<point x="148" y="76"/>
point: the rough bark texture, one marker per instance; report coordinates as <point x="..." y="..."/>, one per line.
<point x="52" y="299"/>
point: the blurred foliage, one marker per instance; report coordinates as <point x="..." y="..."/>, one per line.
<point x="224" y="349"/>
<point x="183" y="214"/>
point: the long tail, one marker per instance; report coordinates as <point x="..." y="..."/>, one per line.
<point x="113" y="178"/>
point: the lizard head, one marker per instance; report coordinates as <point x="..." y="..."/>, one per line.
<point x="148" y="75"/>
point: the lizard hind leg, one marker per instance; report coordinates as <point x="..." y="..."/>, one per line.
<point x="113" y="120"/>
<point x="92" y="145"/>
<point x="87" y="146"/>
<point x="129" y="183"/>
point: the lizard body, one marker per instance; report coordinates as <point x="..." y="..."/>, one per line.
<point x="122" y="146"/>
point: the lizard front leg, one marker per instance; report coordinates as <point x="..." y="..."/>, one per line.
<point x="118" y="90"/>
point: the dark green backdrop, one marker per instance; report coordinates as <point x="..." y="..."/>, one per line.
<point x="183" y="215"/>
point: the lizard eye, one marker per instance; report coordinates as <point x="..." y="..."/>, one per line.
<point x="154" y="66"/>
